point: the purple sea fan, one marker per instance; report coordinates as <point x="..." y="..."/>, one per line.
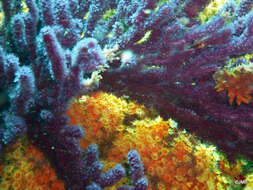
<point x="174" y="67"/>
<point x="88" y="55"/>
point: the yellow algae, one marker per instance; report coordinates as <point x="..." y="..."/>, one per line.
<point x="211" y="9"/>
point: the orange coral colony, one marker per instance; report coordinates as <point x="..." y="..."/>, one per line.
<point x="172" y="158"/>
<point x="237" y="81"/>
<point x="23" y="166"/>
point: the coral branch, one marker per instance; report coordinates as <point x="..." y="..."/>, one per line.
<point x="50" y="66"/>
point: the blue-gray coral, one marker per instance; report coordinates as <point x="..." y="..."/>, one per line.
<point x="48" y="67"/>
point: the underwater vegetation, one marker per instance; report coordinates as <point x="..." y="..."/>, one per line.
<point x="190" y="60"/>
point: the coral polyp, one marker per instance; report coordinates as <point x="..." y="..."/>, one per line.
<point x="237" y="81"/>
<point x="115" y="94"/>
<point x="171" y="157"/>
<point x="25" y="167"/>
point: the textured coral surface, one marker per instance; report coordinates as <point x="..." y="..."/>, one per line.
<point x="237" y="81"/>
<point x="23" y="166"/>
<point x="189" y="60"/>
<point x="171" y="58"/>
<point x="172" y="158"/>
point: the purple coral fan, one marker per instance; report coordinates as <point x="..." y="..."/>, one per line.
<point x="173" y="69"/>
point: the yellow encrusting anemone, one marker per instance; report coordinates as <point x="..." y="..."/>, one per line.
<point x="238" y="82"/>
<point x="172" y="158"/>
<point x="23" y="166"/>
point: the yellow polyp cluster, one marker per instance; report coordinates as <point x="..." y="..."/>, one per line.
<point x="102" y="116"/>
<point x="144" y="38"/>
<point x="249" y="182"/>
<point x="24" y="167"/>
<point x="25" y="9"/>
<point x="211" y="9"/>
<point x="233" y="170"/>
<point x="238" y="82"/>
<point x="1" y="18"/>
<point x="172" y="158"/>
<point x="109" y="13"/>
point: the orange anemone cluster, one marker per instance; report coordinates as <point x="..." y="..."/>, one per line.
<point x="22" y="166"/>
<point x="103" y="116"/>
<point x="237" y="81"/>
<point x="172" y="158"/>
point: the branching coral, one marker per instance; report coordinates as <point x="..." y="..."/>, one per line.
<point x="49" y="64"/>
<point x="167" y="60"/>
<point x="172" y="71"/>
<point x="24" y="167"/>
